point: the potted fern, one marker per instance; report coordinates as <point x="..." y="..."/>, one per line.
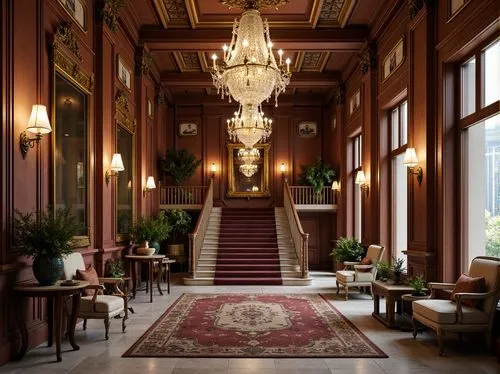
<point x="46" y="237"/>
<point x="317" y="175"/>
<point x="347" y="249"/>
<point x="418" y="284"/>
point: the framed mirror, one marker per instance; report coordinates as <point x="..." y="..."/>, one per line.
<point x="71" y="149"/>
<point x="248" y="181"/>
<point x="124" y="211"/>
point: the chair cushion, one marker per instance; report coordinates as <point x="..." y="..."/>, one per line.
<point x="104" y="304"/>
<point x="469" y="285"/>
<point x="365" y="261"/>
<point x="345" y="276"/>
<point x="445" y="312"/>
<point x="364" y="276"/>
<point x="89" y="275"/>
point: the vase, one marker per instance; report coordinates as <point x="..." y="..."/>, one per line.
<point x="156" y="245"/>
<point x="47" y="270"/>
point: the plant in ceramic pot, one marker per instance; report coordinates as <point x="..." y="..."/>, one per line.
<point x="180" y="223"/>
<point x="418" y="284"/>
<point x="398" y="266"/>
<point x="142" y="232"/>
<point x="383" y="271"/>
<point x="160" y="228"/>
<point x="347" y="249"/>
<point x="317" y="175"/>
<point x="46" y="237"/>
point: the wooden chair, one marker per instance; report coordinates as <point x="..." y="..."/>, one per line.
<point x="98" y="306"/>
<point x="448" y="316"/>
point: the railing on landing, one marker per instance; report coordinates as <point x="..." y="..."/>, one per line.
<point x="305" y="198"/>
<point x="300" y="239"/>
<point x="198" y="236"/>
<point x="183" y="197"/>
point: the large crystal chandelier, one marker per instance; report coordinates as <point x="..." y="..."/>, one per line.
<point x="248" y="169"/>
<point x="248" y="156"/>
<point x="249" y="72"/>
<point x="249" y="126"/>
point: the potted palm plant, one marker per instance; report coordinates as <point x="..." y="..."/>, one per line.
<point x="317" y="175"/>
<point x="46" y="237"/>
<point x="179" y="222"/>
<point x="347" y="249"/>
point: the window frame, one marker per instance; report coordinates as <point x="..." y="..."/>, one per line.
<point x="357" y="153"/>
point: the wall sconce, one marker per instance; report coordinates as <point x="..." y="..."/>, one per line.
<point x="411" y="161"/>
<point x="213" y="168"/>
<point x="38" y="124"/>
<point x="336" y="186"/>
<point x="150" y="185"/>
<point x="283" y="169"/>
<point x="361" y="180"/>
<point x="115" y="167"/>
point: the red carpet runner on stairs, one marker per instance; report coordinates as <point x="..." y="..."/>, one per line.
<point x="248" y="248"/>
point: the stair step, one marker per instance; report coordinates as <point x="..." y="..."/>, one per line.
<point x="247" y="281"/>
<point x="248" y="268"/>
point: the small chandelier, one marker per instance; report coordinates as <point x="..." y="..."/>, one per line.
<point x="248" y="169"/>
<point x="248" y="156"/>
<point x="249" y="72"/>
<point x="249" y="126"/>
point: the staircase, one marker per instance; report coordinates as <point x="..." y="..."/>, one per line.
<point x="248" y="247"/>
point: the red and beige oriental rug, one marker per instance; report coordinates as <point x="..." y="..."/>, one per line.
<point x="253" y="325"/>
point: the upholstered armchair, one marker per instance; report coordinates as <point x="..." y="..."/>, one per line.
<point x="449" y="316"/>
<point x="96" y="305"/>
<point x="362" y="275"/>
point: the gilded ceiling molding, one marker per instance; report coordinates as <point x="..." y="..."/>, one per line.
<point x="368" y="56"/>
<point x="65" y="35"/>
<point x="188" y="61"/>
<point x="109" y="12"/>
<point x="122" y="111"/>
<point x="314" y="61"/>
<point x="253" y="4"/>
<point x="330" y="12"/>
<point x="414" y="7"/>
<point x="143" y="61"/>
<point x="176" y="13"/>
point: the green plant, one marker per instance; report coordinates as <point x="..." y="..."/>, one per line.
<point x="317" y="175"/>
<point x="179" y="222"/>
<point x="115" y="269"/>
<point x="151" y="228"/>
<point x="179" y="165"/>
<point x="347" y="249"/>
<point x="46" y="233"/>
<point x="383" y="270"/>
<point x="142" y="230"/>
<point x="418" y="284"/>
<point x="398" y="265"/>
<point x="492" y="235"/>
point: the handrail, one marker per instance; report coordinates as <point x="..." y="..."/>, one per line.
<point x="197" y="237"/>
<point x="182" y="195"/>
<point x="300" y="239"/>
<point x="305" y="195"/>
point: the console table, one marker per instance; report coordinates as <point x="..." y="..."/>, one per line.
<point x="392" y="293"/>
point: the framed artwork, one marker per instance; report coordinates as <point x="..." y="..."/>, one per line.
<point x="454" y="7"/>
<point x="124" y="73"/>
<point x="188" y="129"/>
<point x="308" y="129"/>
<point x="150" y="107"/>
<point x="394" y="59"/>
<point x="355" y="101"/>
<point x="77" y="10"/>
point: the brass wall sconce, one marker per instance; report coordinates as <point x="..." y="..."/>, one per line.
<point x="411" y="161"/>
<point x="283" y="169"/>
<point x="361" y="180"/>
<point x="115" y="167"/>
<point x="39" y="125"/>
<point x="150" y="185"/>
<point x="336" y="186"/>
<point x="213" y="168"/>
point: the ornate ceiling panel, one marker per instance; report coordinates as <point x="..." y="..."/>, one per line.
<point x="314" y="61"/>
<point x="188" y="61"/>
<point x="176" y="12"/>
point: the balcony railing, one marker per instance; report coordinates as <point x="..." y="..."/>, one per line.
<point x="305" y="198"/>
<point x="184" y="197"/>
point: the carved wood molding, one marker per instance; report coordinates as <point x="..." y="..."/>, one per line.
<point x="340" y="95"/>
<point x="161" y="95"/>
<point x="64" y="33"/>
<point x="414" y="7"/>
<point x="143" y="61"/>
<point x="253" y="4"/>
<point x="109" y="10"/>
<point x="368" y="56"/>
<point x="122" y="111"/>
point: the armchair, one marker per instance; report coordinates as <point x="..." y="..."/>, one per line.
<point x="362" y="275"/>
<point x="448" y="316"/>
<point x="97" y="306"/>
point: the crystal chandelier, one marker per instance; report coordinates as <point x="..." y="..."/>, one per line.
<point x="248" y="169"/>
<point x="249" y="72"/>
<point x="248" y="156"/>
<point x="249" y="126"/>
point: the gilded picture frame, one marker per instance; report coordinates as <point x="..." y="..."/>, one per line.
<point x="394" y="59"/>
<point x="454" y="7"/>
<point x="77" y="10"/>
<point x="256" y="186"/>
<point x="355" y="101"/>
<point x="124" y="73"/>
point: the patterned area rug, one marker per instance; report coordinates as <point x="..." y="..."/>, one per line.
<point x="253" y="325"/>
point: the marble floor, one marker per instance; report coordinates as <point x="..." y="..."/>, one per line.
<point x="406" y="356"/>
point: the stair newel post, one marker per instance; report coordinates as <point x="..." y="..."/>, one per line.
<point x="305" y="254"/>
<point x="192" y="263"/>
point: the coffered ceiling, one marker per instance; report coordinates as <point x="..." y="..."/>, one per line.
<point x="320" y="36"/>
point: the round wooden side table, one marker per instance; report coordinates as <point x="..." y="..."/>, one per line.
<point x="409" y="298"/>
<point x="150" y="260"/>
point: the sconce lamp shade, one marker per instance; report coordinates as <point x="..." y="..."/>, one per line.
<point x="360" y="177"/>
<point x="214" y="168"/>
<point x="336" y="186"/>
<point x="282" y="167"/>
<point x="410" y="159"/>
<point x="117" y="163"/>
<point x="38" y="122"/>
<point x="150" y="183"/>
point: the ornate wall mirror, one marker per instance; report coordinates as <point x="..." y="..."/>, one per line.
<point x="71" y="148"/>
<point x="124" y="193"/>
<point x="248" y="179"/>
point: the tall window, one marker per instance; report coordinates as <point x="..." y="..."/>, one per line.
<point x="399" y="216"/>
<point x="357" y="149"/>
<point x="480" y="161"/>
